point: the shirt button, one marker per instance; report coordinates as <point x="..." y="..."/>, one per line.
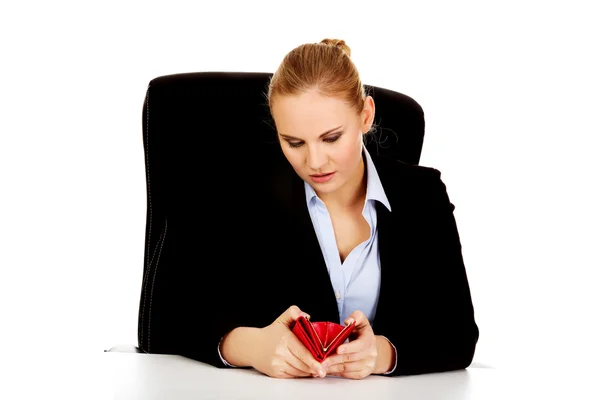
<point x="338" y="295"/>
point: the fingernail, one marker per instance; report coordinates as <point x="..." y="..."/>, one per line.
<point x="341" y="350"/>
<point x="322" y="373"/>
<point x="305" y="315"/>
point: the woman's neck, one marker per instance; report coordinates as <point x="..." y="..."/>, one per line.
<point x="351" y="195"/>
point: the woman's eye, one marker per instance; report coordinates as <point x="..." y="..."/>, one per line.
<point x="332" y="139"/>
<point x="295" y="144"/>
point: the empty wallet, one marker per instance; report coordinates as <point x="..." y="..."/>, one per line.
<point x="321" y="338"/>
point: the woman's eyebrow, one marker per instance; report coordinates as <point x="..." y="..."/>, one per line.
<point x="320" y="136"/>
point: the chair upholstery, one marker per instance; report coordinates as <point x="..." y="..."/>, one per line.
<point x="197" y="128"/>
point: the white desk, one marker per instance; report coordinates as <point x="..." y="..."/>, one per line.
<point x="153" y="377"/>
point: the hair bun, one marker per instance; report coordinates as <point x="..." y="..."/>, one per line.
<point x="338" y="43"/>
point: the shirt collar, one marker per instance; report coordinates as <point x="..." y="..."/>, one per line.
<point x="374" y="187"/>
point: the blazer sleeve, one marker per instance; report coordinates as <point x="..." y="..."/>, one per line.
<point x="436" y="331"/>
<point x="196" y="291"/>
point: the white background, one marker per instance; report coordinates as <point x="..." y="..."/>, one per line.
<point x="511" y="94"/>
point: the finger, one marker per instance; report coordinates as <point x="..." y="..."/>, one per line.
<point x="289" y="316"/>
<point x="350" y="367"/>
<point x="334" y="359"/>
<point x="282" y="373"/>
<point x="347" y="367"/>
<point x="299" y="364"/>
<point x="291" y="369"/>
<point x="342" y="358"/>
<point x="358" y="316"/>
<point x="305" y="357"/>
<point x="360" y="344"/>
<point x="356" y="374"/>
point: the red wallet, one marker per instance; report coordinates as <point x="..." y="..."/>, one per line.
<point x="321" y="338"/>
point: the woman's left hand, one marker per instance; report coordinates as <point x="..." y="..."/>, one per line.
<point x="358" y="358"/>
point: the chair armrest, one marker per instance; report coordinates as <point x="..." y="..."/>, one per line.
<point x="124" y="348"/>
<point x="476" y="364"/>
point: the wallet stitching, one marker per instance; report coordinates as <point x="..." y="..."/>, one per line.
<point x="333" y="341"/>
<point x="316" y="335"/>
<point x="339" y="334"/>
<point x="321" y="352"/>
<point x="310" y="342"/>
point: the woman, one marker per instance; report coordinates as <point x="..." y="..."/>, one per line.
<point x="385" y="235"/>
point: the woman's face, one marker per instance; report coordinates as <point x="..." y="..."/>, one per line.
<point x="321" y="137"/>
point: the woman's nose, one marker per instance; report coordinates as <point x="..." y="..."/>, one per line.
<point x="316" y="158"/>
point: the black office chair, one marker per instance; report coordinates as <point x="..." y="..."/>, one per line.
<point x="197" y="124"/>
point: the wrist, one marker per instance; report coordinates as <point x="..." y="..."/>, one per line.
<point x="385" y="355"/>
<point x="238" y="346"/>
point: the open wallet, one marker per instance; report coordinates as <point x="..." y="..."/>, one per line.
<point x="321" y="338"/>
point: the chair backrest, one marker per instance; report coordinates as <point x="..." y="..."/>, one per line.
<point x="198" y="125"/>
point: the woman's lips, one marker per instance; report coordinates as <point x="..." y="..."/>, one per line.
<point x="322" y="178"/>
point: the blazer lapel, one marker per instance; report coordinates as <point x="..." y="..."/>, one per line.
<point x="388" y="256"/>
<point x="305" y="254"/>
<point x="393" y="241"/>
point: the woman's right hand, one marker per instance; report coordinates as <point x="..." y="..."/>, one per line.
<point x="281" y="354"/>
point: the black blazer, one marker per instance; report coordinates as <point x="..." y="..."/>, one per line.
<point x="262" y="256"/>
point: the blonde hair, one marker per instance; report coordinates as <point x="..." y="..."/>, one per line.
<point x="325" y="66"/>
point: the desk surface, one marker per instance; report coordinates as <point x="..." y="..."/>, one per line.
<point x="149" y="377"/>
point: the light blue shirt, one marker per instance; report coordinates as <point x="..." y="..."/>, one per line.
<point x="356" y="281"/>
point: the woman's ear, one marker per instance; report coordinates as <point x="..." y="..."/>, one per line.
<point x="368" y="114"/>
